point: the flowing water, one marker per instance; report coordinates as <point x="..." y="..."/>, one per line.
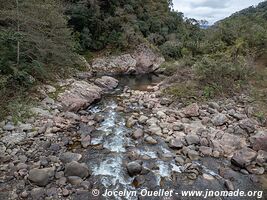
<point x="112" y="148"/>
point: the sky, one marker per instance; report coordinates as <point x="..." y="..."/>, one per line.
<point x="211" y="10"/>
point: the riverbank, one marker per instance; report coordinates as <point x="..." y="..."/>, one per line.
<point x="134" y="138"/>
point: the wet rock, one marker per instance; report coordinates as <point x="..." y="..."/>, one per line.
<point x="68" y="157"/>
<point x="176" y="143"/>
<point x="134" y="168"/>
<point x="76" y="169"/>
<point x="107" y="82"/>
<point x="248" y="125"/>
<point x="191" y="110"/>
<point x="41" y="177"/>
<point x="219" y="119"/>
<point x="243" y="157"/>
<point x="229" y="185"/>
<point x="13" y="138"/>
<point x="151" y="140"/>
<point x="86" y="141"/>
<point x="74" y="180"/>
<point x="192" y="139"/>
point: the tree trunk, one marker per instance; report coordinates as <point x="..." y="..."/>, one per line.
<point x="18" y="43"/>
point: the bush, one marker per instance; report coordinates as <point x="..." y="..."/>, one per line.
<point x="221" y="74"/>
<point x="171" y="50"/>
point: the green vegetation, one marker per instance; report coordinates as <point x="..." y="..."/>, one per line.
<point x="39" y="41"/>
<point x="225" y="60"/>
<point x="121" y="24"/>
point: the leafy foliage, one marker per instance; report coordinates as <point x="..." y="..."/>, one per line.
<point x="35" y="39"/>
<point x="125" y="23"/>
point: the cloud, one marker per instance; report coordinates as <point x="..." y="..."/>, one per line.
<point x="218" y="4"/>
<point x="211" y="10"/>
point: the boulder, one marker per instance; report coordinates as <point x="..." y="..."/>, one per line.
<point x="248" y="125"/>
<point x="147" y="60"/>
<point x="155" y="130"/>
<point x="219" y="119"/>
<point x="134" y="168"/>
<point x="76" y="169"/>
<point x="122" y="64"/>
<point x="41" y="177"/>
<point x="142" y="119"/>
<point x="75" y="180"/>
<point x="259" y="141"/>
<point x="206" y="151"/>
<point x="176" y="143"/>
<point x="193" y="155"/>
<point x="68" y="157"/>
<point x="192" y="139"/>
<point x="107" y="82"/>
<point x="151" y="140"/>
<point x="191" y="110"/>
<point x="86" y="141"/>
<point x="13" y="138"/>
<point x="138" y="133"/>
<point x="243" y="157"/>
<point x="79" y="96"/>
<point x="8" y="127"/>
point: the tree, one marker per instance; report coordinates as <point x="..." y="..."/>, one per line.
<point x="43" y="40"/>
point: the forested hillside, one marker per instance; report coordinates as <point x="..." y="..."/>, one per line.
<point x="129" y="99"/>
<point x="245" y="32"/>
<point x="41" y="40"/>
<point x="121" y="24"/>
<point x="227" y="51"/>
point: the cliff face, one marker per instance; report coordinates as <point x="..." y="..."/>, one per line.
<point x="142" y="60"/>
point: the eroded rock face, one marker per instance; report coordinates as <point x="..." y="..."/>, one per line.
<point x="114" y="65"/>
<point x="80" y="95"/>
<point x="142" y="60"/>
<point x="146" y="59"/>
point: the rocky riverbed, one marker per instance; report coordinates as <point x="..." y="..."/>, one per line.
<point x="125" y="134"/>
